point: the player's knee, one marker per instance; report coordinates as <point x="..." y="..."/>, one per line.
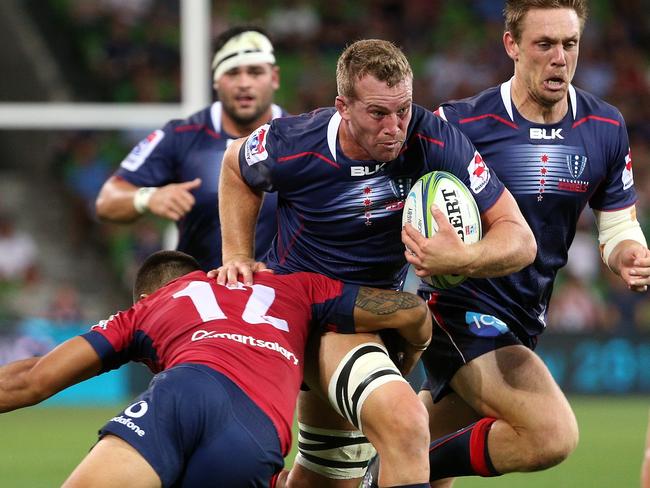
<point x="553" y="442"/>
<point x="406" y="430"/>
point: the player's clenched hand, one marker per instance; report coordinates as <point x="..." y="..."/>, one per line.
<point x="633" y="262"/>
<point x="229" y="272"/>
<point x="442" y="253"/>
<point x="173" y="201"/>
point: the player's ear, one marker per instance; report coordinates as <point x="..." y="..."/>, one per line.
<point x="275" y="74"/>
<point x="341" y="104"/>
<point x="511" y="46"/>
<point x="142" y="296"/>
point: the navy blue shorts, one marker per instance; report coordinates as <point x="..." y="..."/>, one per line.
<point x="196" y="428"/>
<point x="460" y="335"/>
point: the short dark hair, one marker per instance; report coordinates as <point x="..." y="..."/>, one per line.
<point x="226" y="35"/>
<point x="159" y="269"/>
<point x="515" y="10"/>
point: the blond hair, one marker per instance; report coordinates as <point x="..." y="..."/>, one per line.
<point x="381" y="59"/>
<point x="515" y="10"/>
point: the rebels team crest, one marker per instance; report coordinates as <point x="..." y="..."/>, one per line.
<point x="576" y="164"/>
<point x="401" y="187"/>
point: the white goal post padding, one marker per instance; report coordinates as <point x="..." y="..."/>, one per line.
<point x="196" y="93"/>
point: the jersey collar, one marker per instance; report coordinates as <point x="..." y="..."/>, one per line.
<point x="507" y="100"/>
<point x="333" y="132"/>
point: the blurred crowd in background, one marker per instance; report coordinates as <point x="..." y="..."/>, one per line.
<point x="128" y="51"/>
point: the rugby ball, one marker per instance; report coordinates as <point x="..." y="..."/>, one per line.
<point x="455" y="201"/>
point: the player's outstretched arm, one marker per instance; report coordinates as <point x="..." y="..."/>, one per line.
<point x="239" y="206"/>
<point x="121" y="201"/>
<point x="377" y="309"/>
<point x="30" y="381"/>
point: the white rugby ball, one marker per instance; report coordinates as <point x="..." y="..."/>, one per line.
<point x="455" y="201"/>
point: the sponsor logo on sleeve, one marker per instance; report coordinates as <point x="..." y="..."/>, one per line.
<point x="479" y="174"/>
<point x="255" y="146"/>
<point x="627" y="177"/>
<point x="103" y="324"/>
<point x="141" y="152"/>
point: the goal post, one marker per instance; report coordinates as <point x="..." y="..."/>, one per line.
<point x="195" y="22"/>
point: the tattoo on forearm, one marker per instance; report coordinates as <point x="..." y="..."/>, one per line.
<point x="384" y="302"/>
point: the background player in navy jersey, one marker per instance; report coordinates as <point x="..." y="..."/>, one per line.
<point x="174" y="172"/>
<point x="229" y="361"/>
<point x="342" y="174"/>
<point x="557" y="149"/>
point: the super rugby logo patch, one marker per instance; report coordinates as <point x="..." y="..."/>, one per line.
<point x="255" y="146"/>
<point x="627" y="177"/>
<point x="479" y="174"/>
<point x="141" y="152"/>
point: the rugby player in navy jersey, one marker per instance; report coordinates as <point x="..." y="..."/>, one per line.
<point x="557" y="149"/>
<point x="229" y="361"/>
<point x="341" y="175"/>
<point x="174" y="172"/>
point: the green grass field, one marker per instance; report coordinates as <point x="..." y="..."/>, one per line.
<point x="41" y="445"/>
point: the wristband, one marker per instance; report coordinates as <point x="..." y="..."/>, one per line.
<point x="421" y="347"/>
<point x="141" y="198"/>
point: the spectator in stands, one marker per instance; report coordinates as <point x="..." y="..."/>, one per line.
<point x="17" y="254"/>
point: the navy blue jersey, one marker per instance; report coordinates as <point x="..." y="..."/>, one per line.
<point x="188" y="149"/>
<point x="553" y="171"/>
<point x="342" y="217"/>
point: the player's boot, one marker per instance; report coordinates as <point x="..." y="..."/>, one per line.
<point x="371" y="478"/>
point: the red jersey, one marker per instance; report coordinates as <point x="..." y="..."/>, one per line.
<point x="255" y="335"/>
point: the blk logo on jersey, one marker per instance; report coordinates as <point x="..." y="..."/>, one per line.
<point x="485" y="325"/>
<point x="366" y="170"/>
<point x="627" y="177"/>
<point x="479" y="174"/>
<point x="537" y="134"/>
<point x="576" y="164"/>
<point x="255" y="146"/>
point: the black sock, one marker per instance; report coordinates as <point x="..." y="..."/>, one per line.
<point x="462" y="453"/>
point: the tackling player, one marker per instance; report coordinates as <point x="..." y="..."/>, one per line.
<point x="229" y="361"/>
<point x="557" y="149"/>
<point x="174" y="172"/>
<point x="342" y="174"/>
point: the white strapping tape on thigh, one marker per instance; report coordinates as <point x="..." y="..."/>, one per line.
<point x="364" y="369"/>
<point x="336" y="454"/>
